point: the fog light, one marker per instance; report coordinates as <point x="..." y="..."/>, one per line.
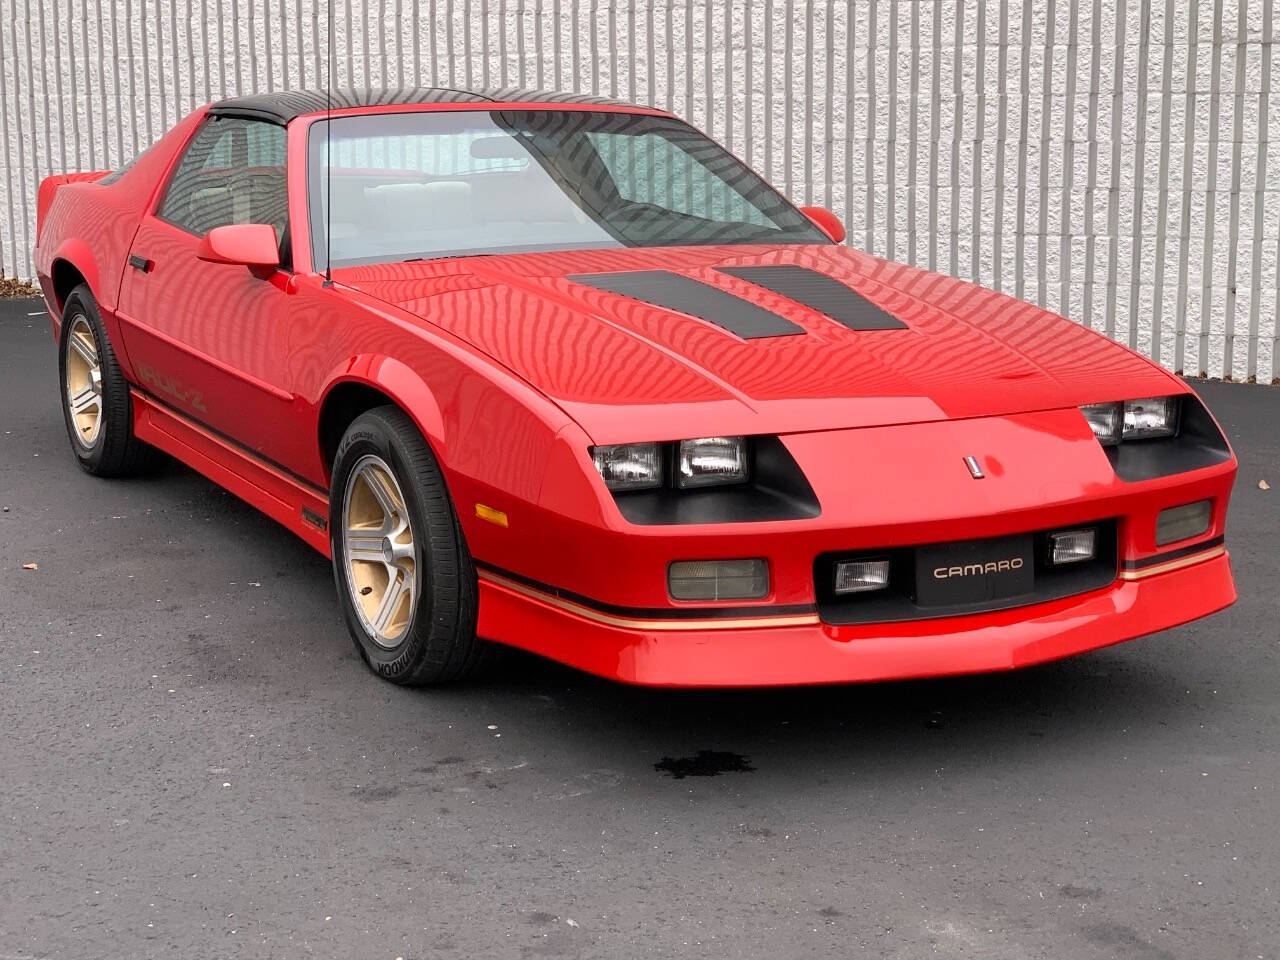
<point x="861" y="576"/>
<point x="1184" y="522"/>
<point x="1073" y="546"/>
<point x="718" y="579"/>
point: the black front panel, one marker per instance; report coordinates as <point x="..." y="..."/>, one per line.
<point x="979" y="571"/>
<point x="685" y="295"/>
<point x="777" y="490"/>
<point x="953" y="579"/>
<point x="819" y="292"/>
<point x="1198" y="443"/>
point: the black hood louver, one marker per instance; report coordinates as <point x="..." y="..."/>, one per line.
<point x="821" y="293"/>
<point x="672" y="291"/>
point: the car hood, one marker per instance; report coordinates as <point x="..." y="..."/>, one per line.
<point x="622" y="342"/>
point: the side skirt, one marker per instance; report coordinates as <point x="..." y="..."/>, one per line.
<point x="300" y="508"/>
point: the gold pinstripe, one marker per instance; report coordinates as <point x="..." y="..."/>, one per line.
<point x="633" y="623"/>
<point x="1172" y="565"/>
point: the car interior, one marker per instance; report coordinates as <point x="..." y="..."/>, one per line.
<point x="456" y="211"/>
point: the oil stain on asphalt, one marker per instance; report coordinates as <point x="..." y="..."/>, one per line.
<point x="705" y="763"/>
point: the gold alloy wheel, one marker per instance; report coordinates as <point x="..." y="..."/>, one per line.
<point x="379" y="556"/>
<point x="84" y="382"/>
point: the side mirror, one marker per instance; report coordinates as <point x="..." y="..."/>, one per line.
<point x="826" y="221"/>
<point x="251" y="245"/>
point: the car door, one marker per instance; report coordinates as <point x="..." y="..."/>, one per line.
<point x="209" y="339"/>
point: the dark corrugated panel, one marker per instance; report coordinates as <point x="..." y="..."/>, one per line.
<point x="819" y="292"/>
<point x="685" y="295"/>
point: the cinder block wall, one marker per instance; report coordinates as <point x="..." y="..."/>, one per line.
<point x="1116" y="161"/>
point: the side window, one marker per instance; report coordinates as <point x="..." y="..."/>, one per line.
<point x="232" y="172"/>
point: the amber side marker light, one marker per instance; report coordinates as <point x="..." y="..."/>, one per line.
<point x="492" y="514"/>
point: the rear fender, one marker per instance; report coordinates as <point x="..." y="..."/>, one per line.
<point x="44" y="199"/>
<point x="74" y="251"/>
<point x="49" y="186"/>
<point x="79" y="255"/>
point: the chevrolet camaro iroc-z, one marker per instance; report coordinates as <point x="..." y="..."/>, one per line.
<point x="564" y="374"/>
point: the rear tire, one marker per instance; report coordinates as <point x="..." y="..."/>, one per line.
<point x="405" y="578"/>
<point x="96" y="406"/>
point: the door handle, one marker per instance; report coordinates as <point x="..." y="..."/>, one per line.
<point x="141" y="263"/>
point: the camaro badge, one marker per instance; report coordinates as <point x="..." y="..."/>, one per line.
<point x="979" y="569"/>
<point x="972" y="464"/>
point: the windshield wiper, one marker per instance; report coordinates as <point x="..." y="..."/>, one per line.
<point x="445" y="256"/>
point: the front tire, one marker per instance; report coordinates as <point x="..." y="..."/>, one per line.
<point x="96" y="406"/>
<point x="405" y="578"/>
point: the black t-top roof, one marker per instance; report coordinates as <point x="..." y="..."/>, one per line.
<point x="283" y="106"/>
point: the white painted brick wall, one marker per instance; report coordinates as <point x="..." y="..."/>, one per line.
<point x="1116" y="161"/>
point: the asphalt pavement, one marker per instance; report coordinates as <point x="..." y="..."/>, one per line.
<point x="195" y="764"/>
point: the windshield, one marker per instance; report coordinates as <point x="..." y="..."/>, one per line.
<point x="410" y="186"/>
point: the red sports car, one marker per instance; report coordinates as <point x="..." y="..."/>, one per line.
<point x="564" y="374"/>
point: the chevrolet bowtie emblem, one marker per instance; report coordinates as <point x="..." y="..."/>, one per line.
<point x="974" y="469"/>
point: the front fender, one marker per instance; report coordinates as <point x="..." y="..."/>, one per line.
<point x="401" y="385"/>
<point x="491" y="448"/>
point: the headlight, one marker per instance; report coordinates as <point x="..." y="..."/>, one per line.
<point x="1106" y="419"/>
<point x="1154" y="417"/>
<point x="706" y="480"/>
<point x="1133" y="419"/>
<point x="711" y="460"/>
<point x="705" y="462"/>
<point x="629" y="466"/>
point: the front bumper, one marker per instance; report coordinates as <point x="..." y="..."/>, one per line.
<point x="594" y="594"/>
<point x="812" y="652"/>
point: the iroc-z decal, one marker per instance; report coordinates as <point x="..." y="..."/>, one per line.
<point x="162" y="383"/>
